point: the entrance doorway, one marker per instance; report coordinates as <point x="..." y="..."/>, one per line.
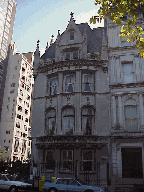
<point x="132" y="163"/>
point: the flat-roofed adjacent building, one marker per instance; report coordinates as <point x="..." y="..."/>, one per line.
<point x="15" y="120"/>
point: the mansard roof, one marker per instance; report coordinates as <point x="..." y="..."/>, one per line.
<point x="94" y="40"/>
<point x="50" y="53"/>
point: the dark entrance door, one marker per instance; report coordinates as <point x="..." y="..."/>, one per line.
<point x="132" y="163"/>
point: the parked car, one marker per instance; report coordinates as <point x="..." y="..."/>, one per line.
<point x="69" y="185"/>
<point x="7" y="182"/>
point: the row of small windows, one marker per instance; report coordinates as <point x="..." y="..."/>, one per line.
<point x="69" y="84"/>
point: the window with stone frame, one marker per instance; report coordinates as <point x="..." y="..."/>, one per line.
<point x="128" y="73"/>
<point x="67" y="56"/>
<point x="53" y="86"/>
<point x="50" y="121"/>
<point x="88" y="83"/>
<point x="87" y="120"/>
<point x="130" y="112"/>
<point x="71" y="35"/>
<point x="68" y="120"/>
<point x="87" y="160"/>
<point x="69" y="83"/>
<point x="67" y="160"/>
<point x="49" y="160"/>
<point x="75" y="55"/>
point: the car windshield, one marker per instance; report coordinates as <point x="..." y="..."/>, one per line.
<point x="11" y="178"/>
<point x="80" y="182"/>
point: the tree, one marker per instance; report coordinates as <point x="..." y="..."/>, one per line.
<point x="3" y="154"/>
<point x="117" y="10"/>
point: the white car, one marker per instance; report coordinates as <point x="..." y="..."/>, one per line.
<point x="8" y="183"/>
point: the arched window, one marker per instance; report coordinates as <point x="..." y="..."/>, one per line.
<point x="87" y="120"/>
<point x="50" y="121"/>
<point x="68" y="119"/>
<point x="130" y="111"/>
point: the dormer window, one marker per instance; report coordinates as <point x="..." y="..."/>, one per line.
<point x="67" y="56"/>
<point x="72" y="35"/>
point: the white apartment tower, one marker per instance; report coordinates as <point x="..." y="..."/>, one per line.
<point x="7" y="17"/>
<point x="15" y="119"/>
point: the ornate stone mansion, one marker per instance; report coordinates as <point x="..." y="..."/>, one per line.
<point x="88" y="114"/>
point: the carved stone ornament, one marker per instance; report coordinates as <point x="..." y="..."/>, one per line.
<point x="105" y="67"/>
<point x="136" y="55"/>
<point x="41" y="63"/>
<point x="118" y="146"/>
<point x="88" y="102"/>
<point x="50" y="100"/>
<point x="68" y="98"/>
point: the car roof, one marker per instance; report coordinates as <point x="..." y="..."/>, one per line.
<point x="64" y="178"/>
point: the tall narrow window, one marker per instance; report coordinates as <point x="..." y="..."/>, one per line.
<point x="16" y="145"/>
<point x="87" y="121"/>
<point x="69" y="83"/>
<point x="131" y="120"/>
<point x="88" y="83"/>
<point x="128" y="74"/>
<point x="87" y="159"/>
<point x="67" y="56"/>
<point x="53" y="86"/>
<point x="51" y="120"/>
<point x="75" y="55"/>
<point x="72" y="35"/>
<point x="67" y="160"/>
<point x="50" y="163"/>
<point x="68" y="119"/>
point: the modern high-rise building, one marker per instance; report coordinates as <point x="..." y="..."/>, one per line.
<point x="7" y="17"/>
<point x="15" y="127"/>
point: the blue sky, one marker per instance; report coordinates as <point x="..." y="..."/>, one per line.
<point x="39" y="19"/>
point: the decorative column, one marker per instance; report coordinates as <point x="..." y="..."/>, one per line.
<point x="113" y="111"/>
<point x="141" y="111"/>
<point x="59" y="103"/>
<point x="78" y="103"/>
<point x="119" y="160"/>
<point x="119" y="110"/>
<point x="114" y="159"/>
<point x="60" y="81"/>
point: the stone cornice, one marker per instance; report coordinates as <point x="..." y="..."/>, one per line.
<point x="70" y="94"/>
<point x="127" y="134"/>
<point x="123" y="48"/>
<point x="130" y="85"/>
<point x="75" y="63"/>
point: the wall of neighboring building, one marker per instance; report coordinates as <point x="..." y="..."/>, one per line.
<point x="126" y="100"/>
<point x="16" y="107"/>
